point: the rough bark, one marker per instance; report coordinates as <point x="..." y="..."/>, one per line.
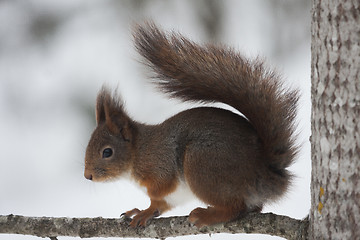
<point x="335" y="210"/>
<point x="266" y="223"/>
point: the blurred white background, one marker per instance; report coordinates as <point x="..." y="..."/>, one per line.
<point x="55" y="55"/>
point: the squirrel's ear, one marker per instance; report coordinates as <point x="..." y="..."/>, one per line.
<point x="110" y="111"/>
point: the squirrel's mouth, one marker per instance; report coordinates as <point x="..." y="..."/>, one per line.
<point x="100" y="175"/>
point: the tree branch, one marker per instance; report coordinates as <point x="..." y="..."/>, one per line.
<point x="263" y="223"/>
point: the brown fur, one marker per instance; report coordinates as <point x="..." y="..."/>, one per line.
<point x="232" y="163"/>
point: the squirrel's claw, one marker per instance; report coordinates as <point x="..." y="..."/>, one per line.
<point x="130" y="213"/>
<point x="142" y="217"/>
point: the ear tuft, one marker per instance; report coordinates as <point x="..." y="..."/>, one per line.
<point x="110" y="110"/>
<point x="100" y="108"/>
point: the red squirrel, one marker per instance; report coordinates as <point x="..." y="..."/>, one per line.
<point x="232" y="163"/>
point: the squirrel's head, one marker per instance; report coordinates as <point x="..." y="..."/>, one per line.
<point x="108" y="153"/>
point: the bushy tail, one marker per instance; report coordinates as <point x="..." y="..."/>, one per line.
<point x="211" y="73"/>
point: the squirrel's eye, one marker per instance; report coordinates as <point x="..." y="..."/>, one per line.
<point x="107" y="153"/>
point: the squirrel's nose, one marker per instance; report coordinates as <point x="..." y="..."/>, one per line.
<point x="88" y="175"/>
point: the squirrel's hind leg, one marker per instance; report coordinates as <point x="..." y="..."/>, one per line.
<point x="225" y="190"/>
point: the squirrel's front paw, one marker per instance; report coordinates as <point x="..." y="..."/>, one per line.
<point x="141" y="217"/>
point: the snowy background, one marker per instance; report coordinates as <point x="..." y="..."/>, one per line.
<point x="54" y="57"/>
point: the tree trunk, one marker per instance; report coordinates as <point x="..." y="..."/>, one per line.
<point x="335" y="141"/>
